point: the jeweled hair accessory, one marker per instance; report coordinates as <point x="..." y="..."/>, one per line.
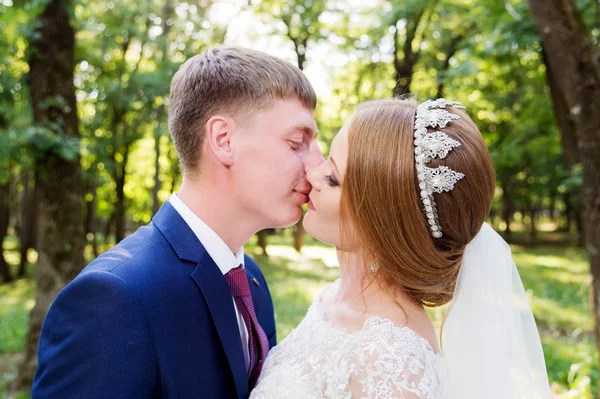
<point x="429" y="146"/>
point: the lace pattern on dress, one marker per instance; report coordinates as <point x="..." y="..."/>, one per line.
<point x="319" y="360"/>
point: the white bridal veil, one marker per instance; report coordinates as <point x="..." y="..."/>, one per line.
<point x="491" y="344"/>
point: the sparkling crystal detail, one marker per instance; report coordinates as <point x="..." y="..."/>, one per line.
<point x="428" y="146"/>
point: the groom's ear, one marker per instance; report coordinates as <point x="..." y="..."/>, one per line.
<point x="219" y="131"/>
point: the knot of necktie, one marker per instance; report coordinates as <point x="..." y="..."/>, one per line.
<point x="238" y="282"/>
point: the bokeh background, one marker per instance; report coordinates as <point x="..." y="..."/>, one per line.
<point x="86" y="157"/>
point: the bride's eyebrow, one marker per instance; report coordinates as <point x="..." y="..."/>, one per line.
<point x="335" y="165"/>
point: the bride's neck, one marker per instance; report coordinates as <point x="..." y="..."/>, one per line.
<point x="356" y="279"/>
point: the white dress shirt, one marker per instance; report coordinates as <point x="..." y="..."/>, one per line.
<point x="219" y="252"/>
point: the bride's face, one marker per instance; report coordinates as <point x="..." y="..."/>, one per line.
<point x="323" y="218"/>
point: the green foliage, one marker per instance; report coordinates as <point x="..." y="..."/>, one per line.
<point x="484" y="54"/>
<point x="555" y="278"/>
<point x="16" y="300"/>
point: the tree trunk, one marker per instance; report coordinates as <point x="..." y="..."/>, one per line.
<point x="300" y="46"/>
<point x="507" y="210"/>
<point x="529" y="205"/>
<point x="568" y="212"/>
<point x="451" y="51"/>
<point x="90" y="216"/>
<point x="120" y="176"/>
<point x="579" y="227"/>
<point x="5" y="273"/>
<point x="299" y="237"/>
<point x="404" y="65"/>
<point x="109" y="226"/>
<point x="564" y="120"/>
<point x="167" y="13"/>
<point x="5" y="192"/>
<point x="175" y="171"/>
<point x="569" y="49"/>
<point x="29" y="215"/>
<point x="262" y="241"/>
<point x="532" y="226"/>
<point x="552" y="206"/>
<point x="156" y="187"/>
<point x="61" y="241"/>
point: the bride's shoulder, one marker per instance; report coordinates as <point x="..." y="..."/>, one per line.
<point x="327" y="293"/>
<point x="396" y="357"/>
<point x="390" y="337"/>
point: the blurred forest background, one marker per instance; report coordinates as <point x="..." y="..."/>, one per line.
<point x="86" y="157"/>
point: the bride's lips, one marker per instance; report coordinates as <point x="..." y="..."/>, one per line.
<point x="310" y="205"/>
<point x="302" y="196"/>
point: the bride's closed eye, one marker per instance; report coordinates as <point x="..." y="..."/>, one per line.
<point x="331" y="181"/>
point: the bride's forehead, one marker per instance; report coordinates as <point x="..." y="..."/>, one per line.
<point x="339" y="146"/>
<point x="341" y="139"/>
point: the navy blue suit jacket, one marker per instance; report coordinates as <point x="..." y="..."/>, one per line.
<point x="151" y="318"/>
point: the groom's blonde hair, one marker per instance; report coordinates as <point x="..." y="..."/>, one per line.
<point x="381" y="202"/>
<point x="234" y="80"/>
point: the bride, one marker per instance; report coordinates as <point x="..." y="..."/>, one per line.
<point x="403" y="197"/>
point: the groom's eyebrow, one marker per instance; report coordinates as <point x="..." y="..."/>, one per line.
<point x="307" y="130"/>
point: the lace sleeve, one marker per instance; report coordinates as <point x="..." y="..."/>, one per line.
<point x="393" y="362"/>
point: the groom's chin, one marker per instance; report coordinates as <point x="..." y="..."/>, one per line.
<point x="286" y="220"/>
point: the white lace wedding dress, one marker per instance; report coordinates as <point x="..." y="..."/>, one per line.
<point x="318" y="360"/>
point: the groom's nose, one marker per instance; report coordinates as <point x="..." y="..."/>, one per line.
<point x="314" y="157"/>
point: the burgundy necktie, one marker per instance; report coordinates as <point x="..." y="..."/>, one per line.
<point x="258" y="345"/>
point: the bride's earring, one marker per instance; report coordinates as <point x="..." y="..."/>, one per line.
<point x="374" y="266"/>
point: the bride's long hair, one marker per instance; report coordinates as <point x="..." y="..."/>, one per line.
<point x="381" y="204"/>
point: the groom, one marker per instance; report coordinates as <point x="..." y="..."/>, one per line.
<point x="176" y="310"/>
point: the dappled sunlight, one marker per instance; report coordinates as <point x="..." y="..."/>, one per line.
<point x="9" y="301"/>
<point x="551" y="314"/>
<point x="295" y="279"/>
<point x="15" y="293"/>
<point x="550" y="261"/>
<point x="570" y="367"/>
<point x="12" y="258"/>
<point x="16" y="301"/>
<point x="556" y="279"/>
<point x="568" y="277"/>
<point x="327" y="255"/>
<point x="29" y="305"/>
<point x="284" y="251"/>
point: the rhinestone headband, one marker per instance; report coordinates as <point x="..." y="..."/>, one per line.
<point x="428" y="146"/>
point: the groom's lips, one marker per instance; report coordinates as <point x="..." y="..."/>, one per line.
<point x="301" y="195"/>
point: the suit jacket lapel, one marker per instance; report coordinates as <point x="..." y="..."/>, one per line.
<point x="216" y="292"/>
<point x="179" y="235"/>
<point x="213" y="286"/>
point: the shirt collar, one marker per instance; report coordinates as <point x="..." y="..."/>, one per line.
<point x="214" y="245"/>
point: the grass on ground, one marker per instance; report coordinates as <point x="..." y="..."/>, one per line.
<point x="556" y="278"/>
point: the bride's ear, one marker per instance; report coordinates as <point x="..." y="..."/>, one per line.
<point x="219" y="132"/>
